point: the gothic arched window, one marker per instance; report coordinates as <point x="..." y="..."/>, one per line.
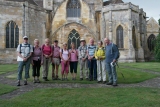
<point x="120" y="37"/>
<point x="12" y="35"/>
<point x="73" y="8"/>
<point x="73" y="37"/>
<point x="134" y="37"/>
<point x="150" y="41"/>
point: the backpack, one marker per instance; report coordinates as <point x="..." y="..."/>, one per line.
<point x="44" y="46"/>
<point x="23" y="46"/>
<point x="39" y="49"/>
<point x="117" y="49"/>
<point x="98" y="48"/>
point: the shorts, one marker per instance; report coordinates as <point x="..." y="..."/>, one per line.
<point x="56" y="61"/>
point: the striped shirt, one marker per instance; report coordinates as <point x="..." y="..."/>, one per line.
<point x="91" y="50"/>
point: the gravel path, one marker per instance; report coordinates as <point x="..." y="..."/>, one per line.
<point x="152" y="83"/>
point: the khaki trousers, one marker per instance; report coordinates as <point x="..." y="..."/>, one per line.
<point x="46" y="63"/>
<point x="83" y="66"/>
<point x="101" y="73"/>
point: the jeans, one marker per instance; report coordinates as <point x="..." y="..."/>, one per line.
<point x="73" y="67"/>
<point x="46" y="63"/>
<point x="111" y="73"/>
<point x="92" y="69"/>
<point x="21" y="64"/>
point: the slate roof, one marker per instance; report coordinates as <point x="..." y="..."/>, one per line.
<point x="29" y="1"/>
<point x="112" y="2"/>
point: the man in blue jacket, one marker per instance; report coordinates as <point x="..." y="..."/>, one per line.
<point x="112" y="54"/>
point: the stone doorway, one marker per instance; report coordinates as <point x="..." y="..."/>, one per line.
<point x="75" y="38"/>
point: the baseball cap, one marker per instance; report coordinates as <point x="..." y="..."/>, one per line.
<point x="25" y="37"/>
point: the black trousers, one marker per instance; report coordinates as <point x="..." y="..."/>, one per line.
<point x="36" y="68"/>
<point x="73" y="67"/>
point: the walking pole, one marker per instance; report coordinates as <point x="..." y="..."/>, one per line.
<point x="120" y="72"/>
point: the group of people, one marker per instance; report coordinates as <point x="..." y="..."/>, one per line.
<point x="98" y="59"/>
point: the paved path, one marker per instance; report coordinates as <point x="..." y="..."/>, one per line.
<point x="153" y="83"/>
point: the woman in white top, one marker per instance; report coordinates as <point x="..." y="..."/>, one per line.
<point x="65" y="56"/>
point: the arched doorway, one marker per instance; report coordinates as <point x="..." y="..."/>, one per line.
<point x="74" y="37"/>
<point x="150" y="41"/>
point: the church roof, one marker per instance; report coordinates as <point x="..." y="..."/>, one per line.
<point x="112" y="2"/>
<point x="29" y="1"/>
<point x="39" y="2"/>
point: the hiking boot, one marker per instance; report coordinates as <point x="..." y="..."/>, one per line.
<point x="25" y="82"/>
<point x="34" y="81"/>
<point x="37" y="81"/>
<point x="87" y="79"/>
<point x="62" y="79"/>
<point x="18" y="83"/>
<point x="104" y="82"/>
<point x="109" y="83"/>
<point x="99" y="81"/>
<point x="114" y="84"/>
<point x="57" y="78"/>
<point x="81" y="79"/>
<point x="66" y="79"/>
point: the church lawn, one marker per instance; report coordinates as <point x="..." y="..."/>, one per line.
<point x="87" y="97"/>
<point x="7" y="68"/>
<point x="152" y="66"/>
<point x="130" y="76"/>
<point x="6" y="89"/>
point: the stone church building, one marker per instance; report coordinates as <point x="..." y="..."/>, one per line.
<point x="68" y="21"/>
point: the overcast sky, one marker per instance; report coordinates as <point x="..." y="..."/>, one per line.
<point x="151" y="7"/>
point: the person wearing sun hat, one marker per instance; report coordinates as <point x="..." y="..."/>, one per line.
<point x="82" y="55"/>
<point x="24" y="52"/>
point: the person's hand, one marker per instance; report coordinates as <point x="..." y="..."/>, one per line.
<point x="24" y="59"/>
<point x="41" y="63"/>
<point x="83" y="59"/>
<point x="114" y="60"/>
<point x="32" y="63"/>
<point x="52" y="61"/>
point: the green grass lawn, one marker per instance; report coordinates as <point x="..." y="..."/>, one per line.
<point x="153" y="66"/>
<point x="7" y="68"/>
<point x="87" y="97"/>
<point x="6" y="89"/>
<point x="131" y="76"/>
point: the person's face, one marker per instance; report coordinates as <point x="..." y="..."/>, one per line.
<point x="47" y="42"/>
<point x="99" y="44"/>
<point x="36" y="43"/>
<point x="83" y="43"/>
<point x="92" y="42"/>
<point x="72" y="46"/>
<point x="65" y="46"/>
<point x="25" y="40"/>
<point x="56" y="43"/>
<point x="106" y="41"/>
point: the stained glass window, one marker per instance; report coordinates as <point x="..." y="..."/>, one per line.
<point x="120" y="37"/>
<point x="74" y="37"/>
<point x="12" y="35"/>
<point x="150" y="40"/>
<point x="73" y="8"/>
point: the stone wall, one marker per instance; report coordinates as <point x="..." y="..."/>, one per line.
<point x="87" y="19"/>
<point x="127" y="16"/>
<point x="31" y="21"/>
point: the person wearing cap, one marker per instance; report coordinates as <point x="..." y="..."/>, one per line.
<point x="92" y="62"/>
<point x="65" y="57"/>
<point x="82" y="55"/>
<point x="24" y="52"/>
<point x="100" y="56"/>
<point x="55" y="60"/>
<point x="46" y="58"/>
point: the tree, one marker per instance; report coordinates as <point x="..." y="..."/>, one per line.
<point x="157" y="48"/>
